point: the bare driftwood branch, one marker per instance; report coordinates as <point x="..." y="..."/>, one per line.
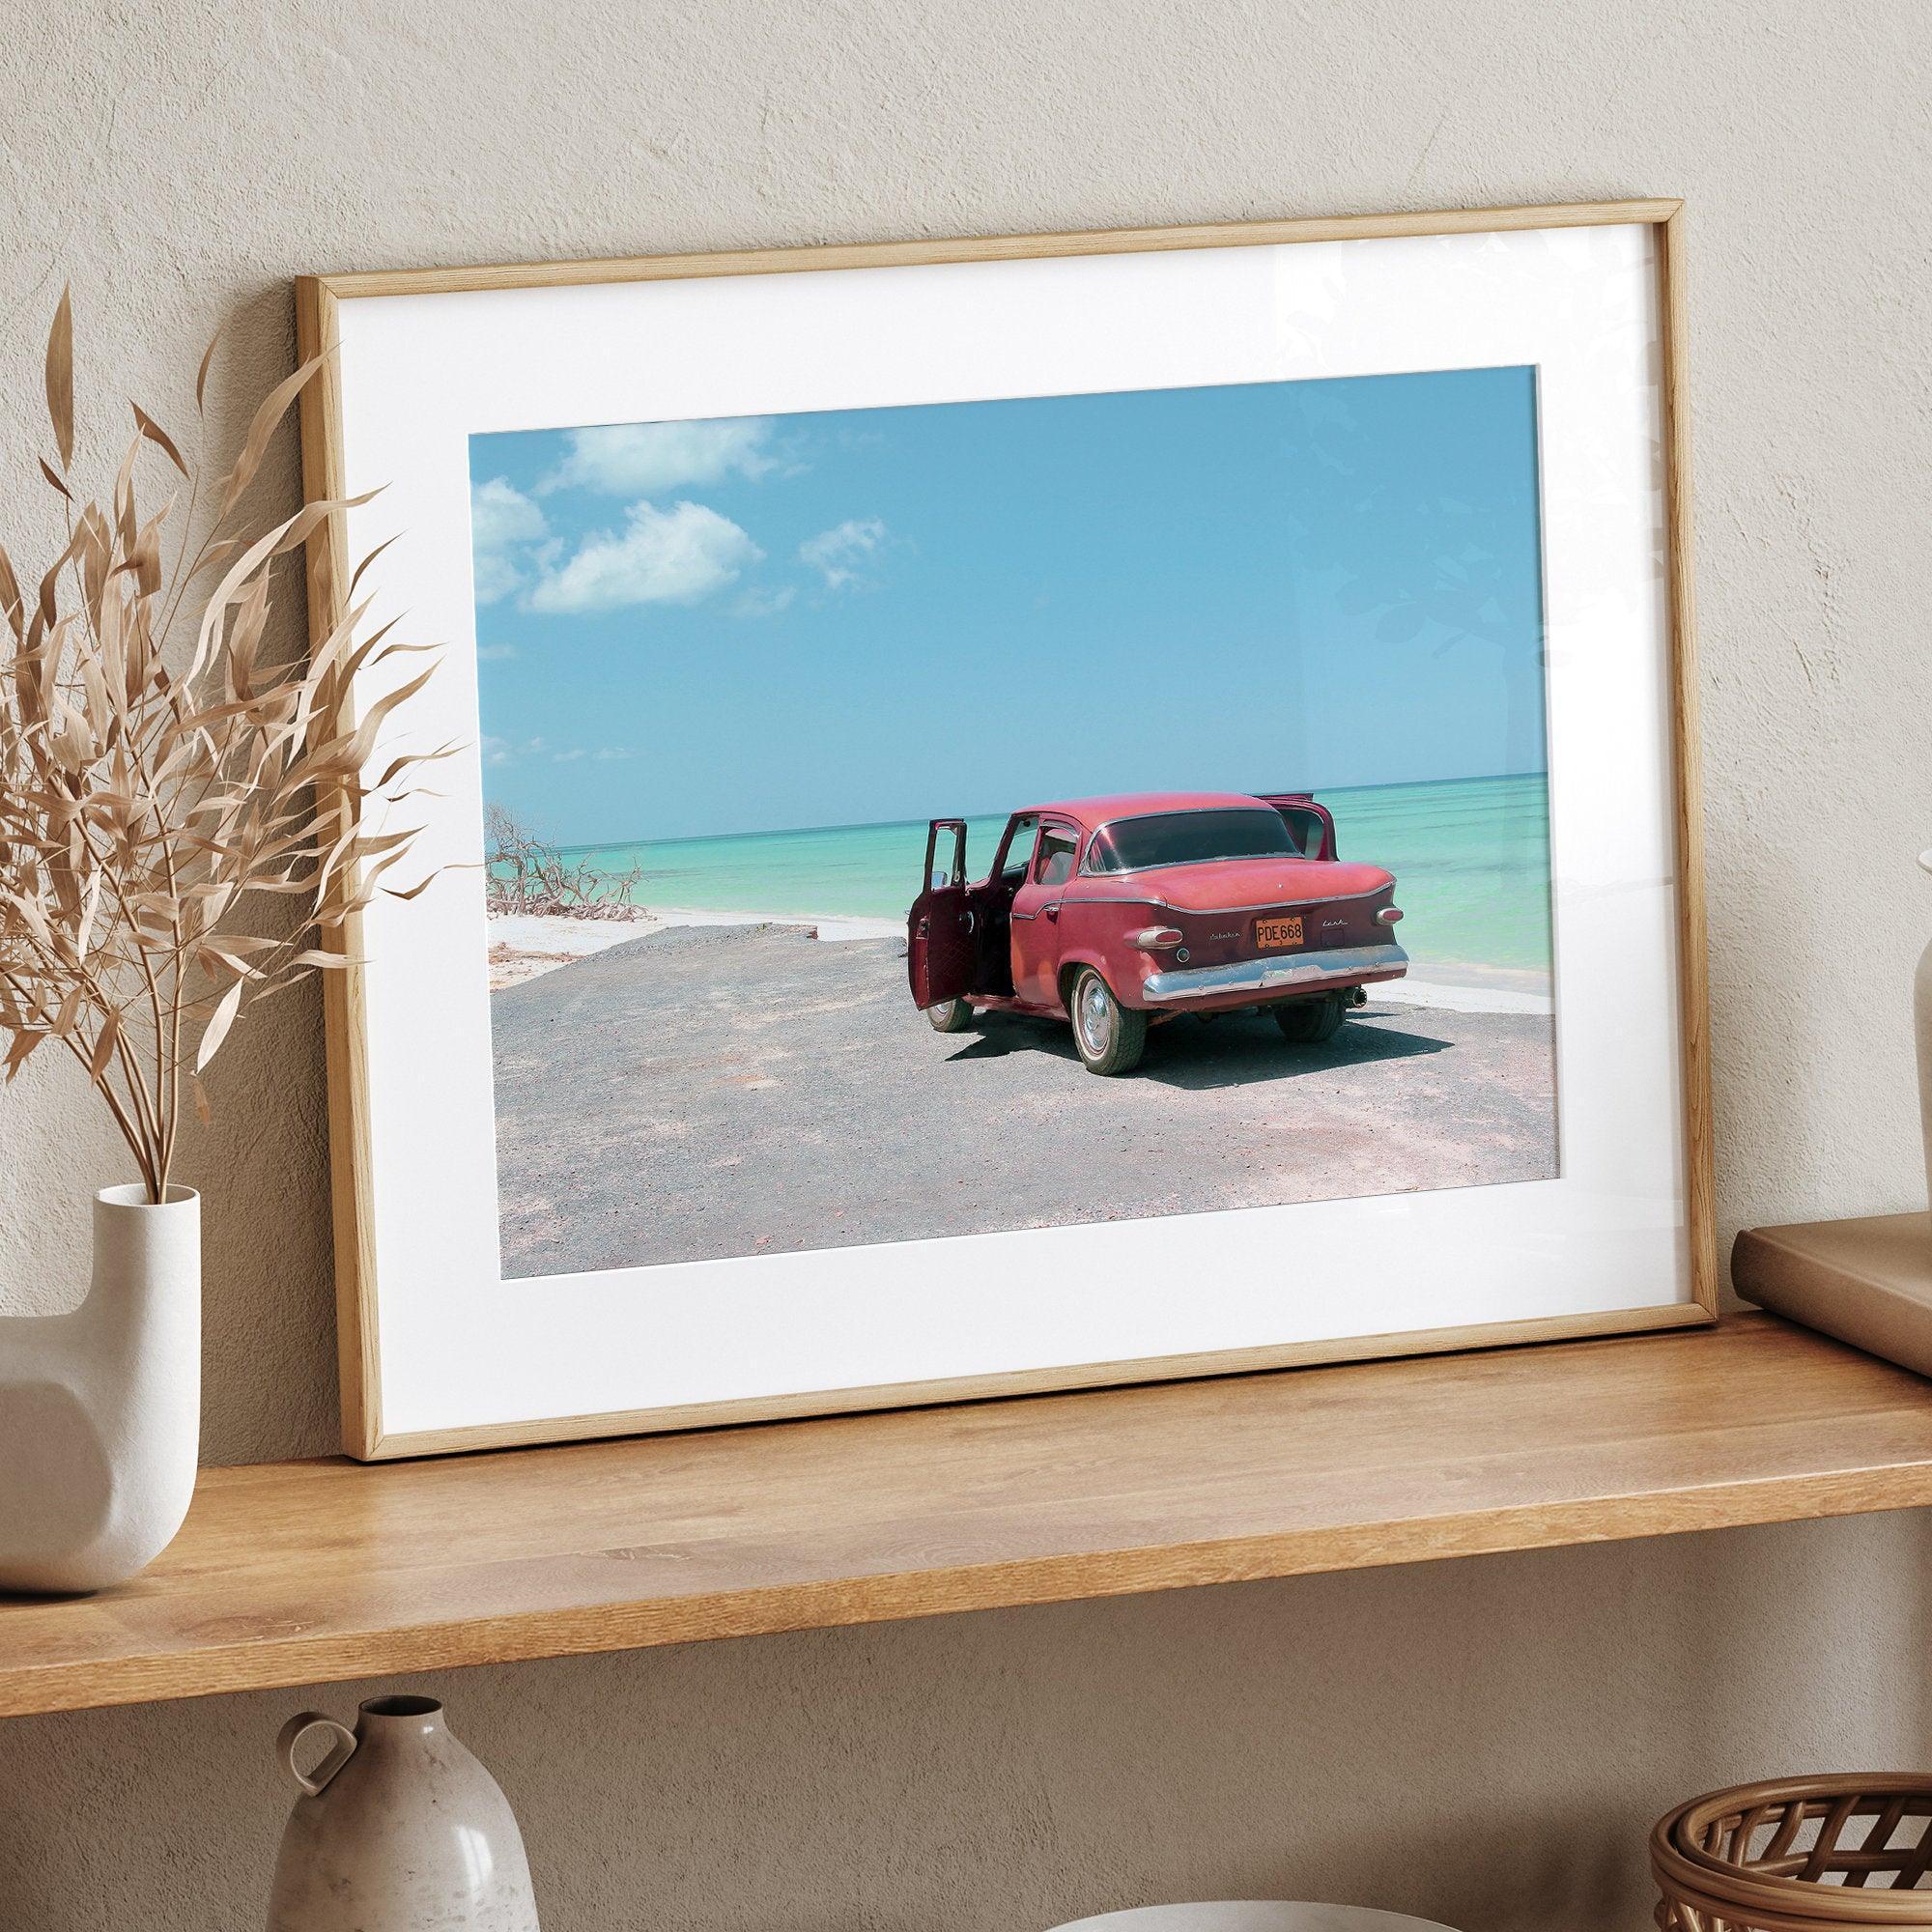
<point x="142" y="809"/>
<point x="526" y="875"/>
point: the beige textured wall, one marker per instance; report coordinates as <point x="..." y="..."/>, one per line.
<point x="1480" y="1742"/>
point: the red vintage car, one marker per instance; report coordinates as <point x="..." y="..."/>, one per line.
<point x="1120" y="913"/>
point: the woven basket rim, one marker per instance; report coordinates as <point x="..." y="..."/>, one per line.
<point x="1736" y="1915"/>
<point x="1688" y="1875"/>
<point x="1801" y="1906"/>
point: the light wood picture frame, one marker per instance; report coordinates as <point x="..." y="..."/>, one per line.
<point x="399" y="1395"/>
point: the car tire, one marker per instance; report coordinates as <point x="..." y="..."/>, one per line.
<point x="1109" y="1037"/>
<point x="951" y="1016"/>
<point x="1309" y="1022"/>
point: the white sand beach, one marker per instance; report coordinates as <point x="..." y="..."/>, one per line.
<point x="524" y="946"/>
<point x="1469" y="989"/>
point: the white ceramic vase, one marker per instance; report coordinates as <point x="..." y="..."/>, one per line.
<point x="399" y="1828"/>
<point x="1922" y="1017"/>
<point x="101" y="1408"/>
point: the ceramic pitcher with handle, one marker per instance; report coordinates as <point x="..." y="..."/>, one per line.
<point x="398" y="1829"/>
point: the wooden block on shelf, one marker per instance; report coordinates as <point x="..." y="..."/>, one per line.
<point x="1868" y="1282"/>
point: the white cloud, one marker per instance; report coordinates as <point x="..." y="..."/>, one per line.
<point x="494" y="653"/>
<point x="646" y="459"/>
<point x="839" y="553"/>
<point x="661" y="556"/>
<point x="501" y="517"/>
<point x="495" y="577"/>
<point x="755" y="602"/>
<point x="501" y="751"/>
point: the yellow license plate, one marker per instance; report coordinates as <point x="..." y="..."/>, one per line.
<point x="1272" y="934"/>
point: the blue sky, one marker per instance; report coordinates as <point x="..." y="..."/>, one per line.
<point x="878" y="614"/>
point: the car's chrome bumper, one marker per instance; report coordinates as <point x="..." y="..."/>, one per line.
<point x="1296" y="972"/>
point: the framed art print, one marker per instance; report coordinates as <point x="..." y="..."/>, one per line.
<point x="1024" y="814"/>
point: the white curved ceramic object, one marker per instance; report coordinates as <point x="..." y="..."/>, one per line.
<point x="101" y="1408"/>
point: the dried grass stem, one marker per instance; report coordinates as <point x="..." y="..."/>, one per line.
<point x="142" y="809"/>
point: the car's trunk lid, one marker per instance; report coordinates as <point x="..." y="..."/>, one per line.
<point x="1252" y="885"/>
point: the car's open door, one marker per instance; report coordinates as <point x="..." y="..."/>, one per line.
<point x="1310" y="825"/>
<point x="941" y="943"/>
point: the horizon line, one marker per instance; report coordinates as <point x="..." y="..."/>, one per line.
<point x="884" y="824"/>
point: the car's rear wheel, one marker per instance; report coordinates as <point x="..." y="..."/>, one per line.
<point x="1309" y="1022"/>
<point x="1109" y="1036"/>
<point x="951" y="1016"/>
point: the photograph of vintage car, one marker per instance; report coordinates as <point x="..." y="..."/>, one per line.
<point x="1118" y="913"/>
<point x="781" y="957"/>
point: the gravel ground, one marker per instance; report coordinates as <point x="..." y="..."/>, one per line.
<point x="726" y="1091"/>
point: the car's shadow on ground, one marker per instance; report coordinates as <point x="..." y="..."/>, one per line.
<point x="1233" y="1050"/>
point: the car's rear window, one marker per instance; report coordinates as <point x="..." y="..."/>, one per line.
<point x="1191" y="838"/>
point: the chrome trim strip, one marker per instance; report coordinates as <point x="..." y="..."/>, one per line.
<point x="1271" y="905"/>
<point x="1201" y="912"/>
<point x="1313" y="970"/>
<point x="1217" y="912"/>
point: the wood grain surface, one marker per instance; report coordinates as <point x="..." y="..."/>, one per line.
<point x="923" y="252"/>
<point x="296" y="1572"/>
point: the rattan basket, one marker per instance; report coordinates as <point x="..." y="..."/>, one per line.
<point x="1799" y="1855"/>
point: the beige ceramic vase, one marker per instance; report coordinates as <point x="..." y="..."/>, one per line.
<point x="398" y="1830"/>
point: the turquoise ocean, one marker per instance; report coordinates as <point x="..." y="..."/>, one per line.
<point x="1470" y="856"/>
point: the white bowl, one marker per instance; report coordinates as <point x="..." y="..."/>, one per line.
<point x="1252" y="1914"/>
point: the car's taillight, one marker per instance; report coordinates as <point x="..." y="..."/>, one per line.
<point x="1388" y="915"/>
<point x="1154" y="938"/>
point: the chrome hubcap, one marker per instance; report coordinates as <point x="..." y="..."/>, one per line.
<point x="1093" y="1016"/>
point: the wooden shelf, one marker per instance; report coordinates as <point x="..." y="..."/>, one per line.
<point x="301" y="1572"/>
